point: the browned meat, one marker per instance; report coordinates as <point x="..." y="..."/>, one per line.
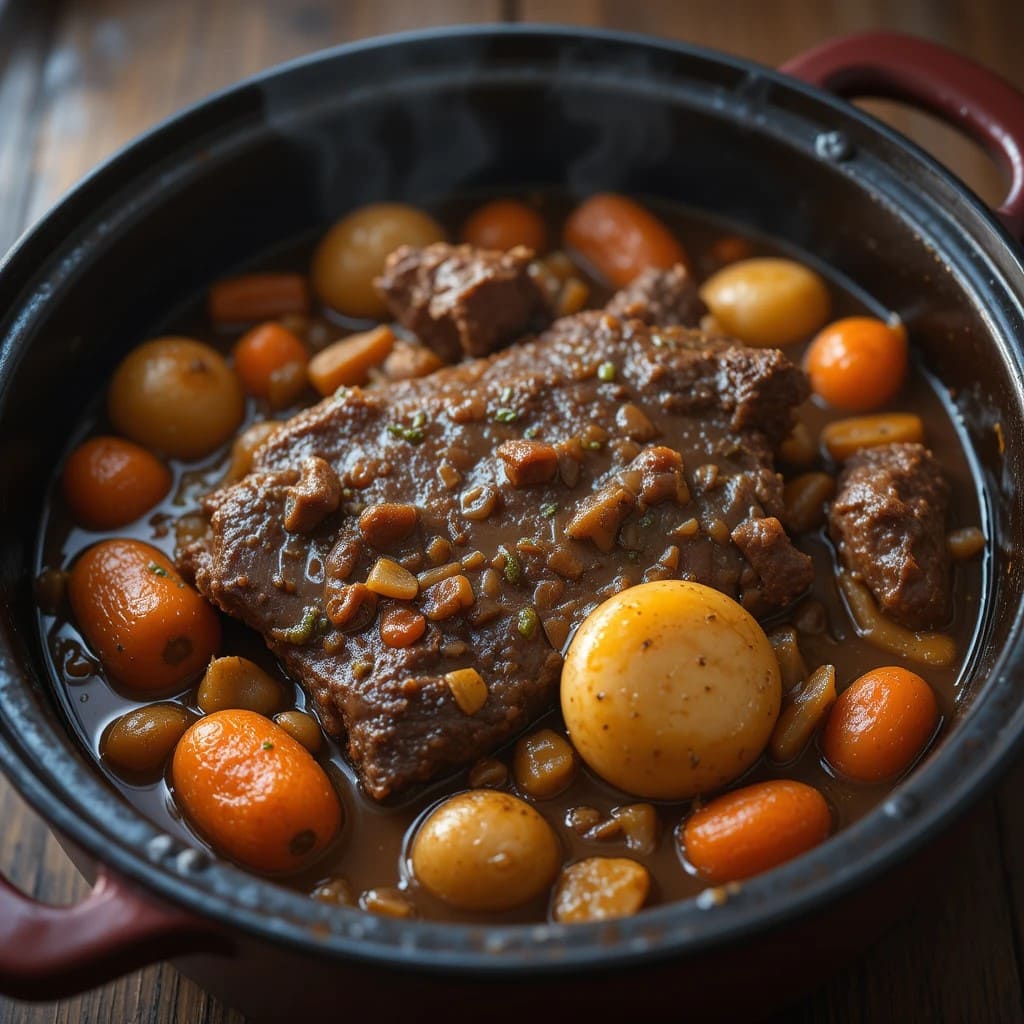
<point x="459" y="300"/>
<point x="784" y="572"/>
<point x="663" y="297"/>
<point x="540" y="487"/>
<point x="889" y="523"/>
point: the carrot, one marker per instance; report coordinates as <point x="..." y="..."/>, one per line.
<point x="253" y="792"/>
<point x="151" y="631"/>
<point x="262" y="352"/>
<point x="858" y="364"/>
<point x="239" y="300"/>
<point x="347" y="362"/>
<point x="620" y="238"/>
<point x="400" y="627"/>
<point x="108" y="482"/>
<point x="880" y="724"/>
<point x="755" y="828"/>
<point x="505" y="223"/>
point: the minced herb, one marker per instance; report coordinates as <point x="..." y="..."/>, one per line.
<point x="647" y="520"/>
<point x="606" y="372"/>
<point x="527" y="622"/>
<point x="549" y="509"/>
<point x="302" y="632"/>
<point x="506" y="415"/>
<point x="414" y="435"/>
<point x="531" y="432"/>
<point x="267" y="745"/>
<point x="593" y="445"/>
<point x="158" y="570"/>
<point x="513" y="570"/>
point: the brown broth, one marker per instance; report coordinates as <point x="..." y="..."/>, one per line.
<point x="371" y="851"/>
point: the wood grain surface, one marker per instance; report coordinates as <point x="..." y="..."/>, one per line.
<point x="78" y="78"/>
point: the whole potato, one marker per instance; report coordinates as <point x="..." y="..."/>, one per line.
<point x="767" y="301"/>
<point x="177" y="396"/>
<point x="352" y="254"/>
<point x="485" y="850"/>
<point x="670" y="689"/>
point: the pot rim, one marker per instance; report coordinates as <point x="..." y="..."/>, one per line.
<point x="937" y="793"/>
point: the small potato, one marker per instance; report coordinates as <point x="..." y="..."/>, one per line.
<point x="600" y="888"/>
<point x="543" y="764"/>
<point x="234" y="682"/>
<point x="352" y="254"/>
<point x="670" y="689"/>
<point x="176" y="396"/>
<point x="142" y="740"/>
<point x="767" y="301"/>
<point x="485" y="850"/>
<point x="302" y="727"/>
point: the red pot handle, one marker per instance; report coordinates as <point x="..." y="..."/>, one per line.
<point x="889" y="65"/>
<point x="49" y="952"/>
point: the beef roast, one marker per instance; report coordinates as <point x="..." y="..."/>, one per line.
<point x="463" y="301"/>
<point x="888" y="521"/>
<point x="500" y="499"/>
<point x="663" y="297"/>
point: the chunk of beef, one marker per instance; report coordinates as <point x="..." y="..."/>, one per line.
<point x="460" y="300"/>
<point x="889" y="522"/>
<point x="664" y="298"/>
<point x="505" y="569"/>
<point x="785" y="573"/>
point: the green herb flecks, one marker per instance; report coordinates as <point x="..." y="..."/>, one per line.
<point x="513" y="570"/>
<point x="593" y="445"/>
<point x="267" y="745"/>
<point x="414" y="435"/>
<point x="606" y="372"/>
<point x="549" y="509"/>
<point x="157" y="570"/>
<point x="527" y="622"/>
<point x="506" y="415"/>
<point x="303" y="631"/>
<point x="647" y="520"/>
<point x="531" y="432"/>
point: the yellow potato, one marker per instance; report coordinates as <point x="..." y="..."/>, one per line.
<point x="177" y="396"/>
<point x="485" y="850"/>
<point x="767" y="301"/>
<point x="352" y="254"/>
<point x="670" y="689"/>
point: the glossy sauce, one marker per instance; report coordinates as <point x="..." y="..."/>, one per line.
<point x="372" y="849"/>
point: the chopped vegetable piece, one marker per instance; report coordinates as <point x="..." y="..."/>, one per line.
<point x="389" y="579"/>
<point x="468" y="688"/>
<point x="255" y="297"/>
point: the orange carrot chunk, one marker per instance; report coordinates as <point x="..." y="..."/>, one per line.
<point x="753" y="829"/>
<point x="262" y="352"/>
<point x="880" y="724"/>
<point x="620" y="238"/>
<point x="504" y="224"/>
<point x="858" y="364"/>
<point x="109" y="482"/>
<point x="149" y="628"/>
<point x="252" y="297"/>
<point x="254" y="792"/>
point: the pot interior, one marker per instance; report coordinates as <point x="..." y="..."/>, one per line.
<point x="422" y="117"/>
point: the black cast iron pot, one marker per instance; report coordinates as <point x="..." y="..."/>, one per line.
<point x="416" y="117"/>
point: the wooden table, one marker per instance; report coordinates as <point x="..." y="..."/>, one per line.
<point x="80" y="77"/>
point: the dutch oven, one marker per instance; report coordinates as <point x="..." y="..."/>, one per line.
<point x="416" y="117"/>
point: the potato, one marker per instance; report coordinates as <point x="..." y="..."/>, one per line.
<point x="352" y="254"/>
<point x="177" y="396"/>
<point x="670" y="689"/>
<point x="485" y="850"/>
<point x="767" y="301"/>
